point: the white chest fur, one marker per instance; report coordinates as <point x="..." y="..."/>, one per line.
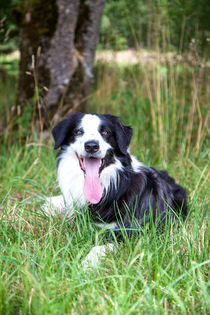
<point x="71" y="178"/>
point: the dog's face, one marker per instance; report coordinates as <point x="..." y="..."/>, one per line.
<point x="95" y="139"/>
<point x="92" y="135"/>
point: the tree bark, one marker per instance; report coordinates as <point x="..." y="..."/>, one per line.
<point x="58" y="40"/>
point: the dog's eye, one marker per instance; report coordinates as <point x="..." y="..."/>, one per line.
<point x="104" y="132"/>
<point x="78" y="132"/>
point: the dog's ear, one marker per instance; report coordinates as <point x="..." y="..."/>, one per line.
<point x="59" y="132"/>
<point x="63" y="129"/>
<point x="123" y="135"/>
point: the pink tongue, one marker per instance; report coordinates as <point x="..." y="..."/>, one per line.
<point x="92" y="187"/>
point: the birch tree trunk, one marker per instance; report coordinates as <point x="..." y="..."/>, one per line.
<point x="58" y="40"/>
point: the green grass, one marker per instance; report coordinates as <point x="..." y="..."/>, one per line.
<point x="167" y="273"/>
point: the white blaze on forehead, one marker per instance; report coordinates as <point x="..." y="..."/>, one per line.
<point x="90" y="124"/>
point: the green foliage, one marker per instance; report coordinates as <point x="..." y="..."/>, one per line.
<point x="163" y="24"/>
<point x="8" y="27"/>
<point x="25" y="120"/>
<point x="166" y="101"/>
<point x="40" y="260"/>
<point x="40" y="256"/>
<point x="158" y="101"/>
<point x="8" y="82"/>
<point x="189" y="21"/>
<point x="170" y="25"/>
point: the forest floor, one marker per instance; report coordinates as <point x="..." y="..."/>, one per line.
<point x="132" y="57"/>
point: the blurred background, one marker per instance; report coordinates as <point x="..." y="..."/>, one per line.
<point x="151" y="68"/>
<point x="146" y="61"/>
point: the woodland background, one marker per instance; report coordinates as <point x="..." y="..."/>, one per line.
<point x="151" y="68"/>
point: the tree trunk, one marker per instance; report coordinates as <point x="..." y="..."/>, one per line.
<point x="58" y="39"/>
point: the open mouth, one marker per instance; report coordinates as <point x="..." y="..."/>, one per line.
<point x="92" y="167"/>
<point x="83" y="162"/>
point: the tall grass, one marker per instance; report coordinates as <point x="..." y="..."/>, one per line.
<point x="166" y="101"/>
<point x="40" y="261"/>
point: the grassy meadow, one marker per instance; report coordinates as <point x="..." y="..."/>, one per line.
<point x="167" y="104"/>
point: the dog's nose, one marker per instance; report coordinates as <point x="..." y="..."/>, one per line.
<point x="91" y="146"/>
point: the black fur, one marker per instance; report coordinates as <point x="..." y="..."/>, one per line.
<point x="63" y="131"/>
<point x="140" y="197"/>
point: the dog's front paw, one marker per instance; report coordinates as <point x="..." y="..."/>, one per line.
<point x="54" y="205"/>
<point x="94" y="257"/>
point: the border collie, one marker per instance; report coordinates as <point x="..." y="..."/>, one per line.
<point x="95" y="168"/>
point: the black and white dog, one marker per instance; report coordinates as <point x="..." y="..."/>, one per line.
<point x="95" y="168"/>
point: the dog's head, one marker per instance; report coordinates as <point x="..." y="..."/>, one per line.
<point x="95" y="139"/>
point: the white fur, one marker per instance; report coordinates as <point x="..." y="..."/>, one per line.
<point x="109" y="174"/>
<point x="136" y="165"/>
<point x="56" y="205"/>
<point x="90" y="125"/>
<point x="108" y="226"/>
<point x="71" y="180"/>
<point x="71" y="177"/>
<point x="94" y="257"/>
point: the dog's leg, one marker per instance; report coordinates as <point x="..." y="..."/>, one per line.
<point x="56" y="205"/>
<point x="94" y="257"/>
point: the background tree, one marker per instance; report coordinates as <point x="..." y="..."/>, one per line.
<point x="58" y="39"/>
<point x="57" y="45"/>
